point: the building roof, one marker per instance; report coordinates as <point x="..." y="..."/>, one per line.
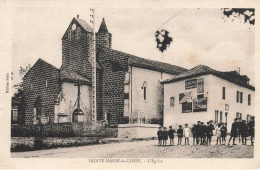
<point x="83" y="24"/>
<point x="203" y="70"/>
<point x="40" y="61"/>
<point x="146" y="63"/>
<point x="155" y="65"/>
<point x="103" y="27"/>
<point x="71" y="76"/>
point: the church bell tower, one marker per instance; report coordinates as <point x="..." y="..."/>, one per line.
<point x="103" y="37"/>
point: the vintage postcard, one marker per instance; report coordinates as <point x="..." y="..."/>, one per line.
<point x="154" y="84"/>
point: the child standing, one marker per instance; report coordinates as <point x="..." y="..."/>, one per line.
<point x="165" y="136"/>
<point x="171" y="135"/>
<point x="218" y="134"/>
<point x="193" y="130"/>
<point x="159" y="134"/>
<point x="243" y="131"/>
<point x="202" y="133"/>
<point x="186" y="134"/>
<point x="180" y="134"/>
<point x="208" y="133"/>
<point x="223" y="131"/>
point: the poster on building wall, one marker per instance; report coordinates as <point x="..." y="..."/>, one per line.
<point x="185" y="97"/>
<point x="187" y="107"/>
<point x="200" y="105"/>
<point x="189" y="84"/>
<point x="200" y="88"/>
<point x="172" y="101"/>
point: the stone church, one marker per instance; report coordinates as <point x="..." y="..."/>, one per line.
<point x="128" y="88"/>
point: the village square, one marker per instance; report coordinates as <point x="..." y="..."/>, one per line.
<point x="106" y="103"/>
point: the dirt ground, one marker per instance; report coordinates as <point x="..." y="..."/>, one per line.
<point x="144" y="149"/>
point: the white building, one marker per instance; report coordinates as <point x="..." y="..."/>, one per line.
<point x="203" y="94"/>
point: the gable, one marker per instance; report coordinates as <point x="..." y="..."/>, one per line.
<point x="79" y="23"/>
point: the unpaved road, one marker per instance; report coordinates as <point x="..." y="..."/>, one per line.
<point x="142" y="149"/>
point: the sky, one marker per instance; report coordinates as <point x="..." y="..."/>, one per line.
<point x="200" y="36"/>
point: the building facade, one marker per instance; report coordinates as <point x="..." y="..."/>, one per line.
<point x="128" y="87"/>
<point x="203" y="94"/>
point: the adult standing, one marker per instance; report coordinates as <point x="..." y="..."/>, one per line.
<point x="251" y="129"/>
<point x="234" y="132"/>
<point x="198" y="132"/>
<point x="243" y="131"/>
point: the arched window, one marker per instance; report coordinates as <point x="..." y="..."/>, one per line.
<point x="144" y="87"/>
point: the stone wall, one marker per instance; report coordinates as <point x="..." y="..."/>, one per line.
<point x="32" y="143"/>
<point x="114" y="64"/>
<point x="41" y="80"/>
<point x="89" y="128"/>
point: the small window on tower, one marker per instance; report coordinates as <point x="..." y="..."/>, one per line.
<point x="78" y="33"/>
<point x="46" y="83"/>
<point x="69" y="35"/>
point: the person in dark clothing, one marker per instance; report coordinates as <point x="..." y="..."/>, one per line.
<point x="251" y="129"/>
<point x="159" y="134"/>
<point x="165" y="136"/>
<point x="197" y="129"/>
<point x="239" y="128"/>
<point x="223" y="131"/>
<point x="234" y="131"/>
<point x="202" y="133"/>
<point x="243" y="131"/>
<point x="171" y="135"/>
<point x="194" y="134"/>
<point x="208" y="133"/>
<point x="180" y="134"/>
<point x="212" y="127"/>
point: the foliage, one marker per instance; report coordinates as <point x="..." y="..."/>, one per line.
<point x="247" y="13"/>
<point x="163" y="40"/>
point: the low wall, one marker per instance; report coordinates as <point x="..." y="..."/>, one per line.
<point x="34" y="143"/>
<point x="84" y="129"/>
<point x="137" y="130"/>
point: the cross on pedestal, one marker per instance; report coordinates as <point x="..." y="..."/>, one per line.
<point x="78" y="104"/>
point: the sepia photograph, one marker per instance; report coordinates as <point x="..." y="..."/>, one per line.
<point x="91" y="84"/>
<point x="96" y="83"/>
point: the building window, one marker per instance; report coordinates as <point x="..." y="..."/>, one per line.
<point x="69" y="34"/>
<point x="241" y="97"/>
<point x="144" y="87"/>
<point x="78" y="33"/>
<point x="238" y="115"/>
<point x="248" y="118"/>
<point x="223" y="93"/>
<point x="220" y="117"/>
<point x="249" y="99"/>
<point x="15" y="115"/>
<point x="46" y="83"/>
<point x="172" y="101"/>
<point x="226" y="115"/>
<point x="216" y="116"/>
<point x="238" y="96"/>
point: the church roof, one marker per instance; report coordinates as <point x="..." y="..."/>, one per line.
<point x="83" y="24"/>
<point x="103" y="27"/>
<point x="155" y="65"/>
<point x="71" y="76"/>
<point x="203" y="70"/>
<point x="145" y="63"/>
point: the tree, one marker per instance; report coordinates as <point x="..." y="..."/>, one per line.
<point x="163" y="40"/>
<point x="22" y="73"/>
<point x="248" y="14"/>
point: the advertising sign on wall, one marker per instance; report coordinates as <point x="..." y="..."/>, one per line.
<point x="185" y="97"/>
<point x="200" y="87"/>
<point x="172" y="101"/>
<point x="189" y="84"/>
<point x="200" y="105"/>
<point x="187" y="107"/>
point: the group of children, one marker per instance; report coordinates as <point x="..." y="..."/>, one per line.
<point x="201" y="133"/>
